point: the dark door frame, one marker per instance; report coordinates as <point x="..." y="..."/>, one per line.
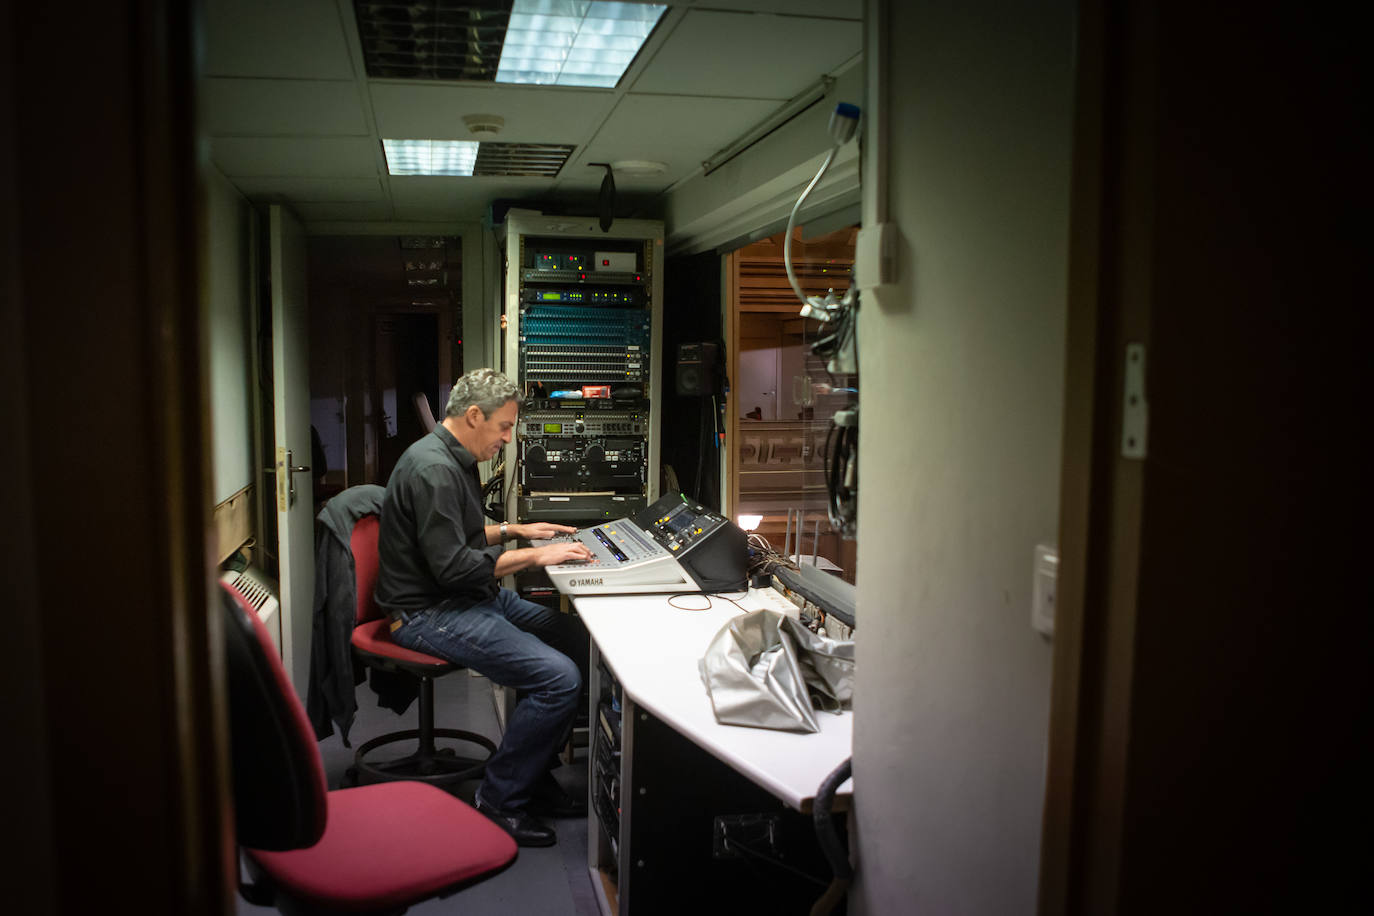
<point x="123" y="746"/>
<point x="1210" y="685"/>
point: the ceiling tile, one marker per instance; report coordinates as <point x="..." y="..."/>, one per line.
<point x="430" y="112"/>
<point x="290" y="119"/>
<point x="748" y="55"/>
<point x="422" y="197"/>
<point x="306" y="157"/>
<point x="344" y="190"/>
<point x="266" y="107"/>
<point x="831" y="9"/>
<point x="668" y="128"/>
<point x="433" y="39"/>
<point x="302" y="39"/>
<point x="315" y="211"/>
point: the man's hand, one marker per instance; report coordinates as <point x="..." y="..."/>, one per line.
<point x="561" y="552"/>
<point x="542" y="531"/>
<point x="549" y="553"/>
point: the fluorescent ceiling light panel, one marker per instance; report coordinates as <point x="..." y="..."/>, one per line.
<point x="574" y="42"/>
<point x="430" y="157"/>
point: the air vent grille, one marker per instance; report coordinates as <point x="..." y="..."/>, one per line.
<point x="256" y="593"/>
<point x="433" y="39"/>
<point x="537" y="160"/>
<point x="259" y="592"/>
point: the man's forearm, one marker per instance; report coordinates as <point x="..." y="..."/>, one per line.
<point x="515" y="560"/>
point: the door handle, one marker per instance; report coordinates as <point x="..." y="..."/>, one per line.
<point x="285" y="473"/>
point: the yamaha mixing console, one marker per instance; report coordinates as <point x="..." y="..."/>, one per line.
<point x="674" y="545"/>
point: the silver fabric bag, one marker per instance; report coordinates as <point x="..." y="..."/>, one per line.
<point x="767" y="670"/>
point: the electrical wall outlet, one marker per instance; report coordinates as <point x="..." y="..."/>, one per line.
<point x="1043" y="588"/>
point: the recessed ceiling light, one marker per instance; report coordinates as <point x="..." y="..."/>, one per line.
<point x="468" y="158"/>
<point x="574" y="42"/>
<point x="430" y="157"/>
<point x="638" y="168"/>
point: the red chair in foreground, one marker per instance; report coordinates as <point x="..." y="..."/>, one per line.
<point x="372" y="643"/>
<point x="377" y="848"/>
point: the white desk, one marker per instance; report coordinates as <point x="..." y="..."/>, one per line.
<point x="654" y="648"/>
<point x="681" y="771"/>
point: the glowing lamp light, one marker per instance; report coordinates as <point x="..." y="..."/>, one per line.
<point x="750" y="522"/>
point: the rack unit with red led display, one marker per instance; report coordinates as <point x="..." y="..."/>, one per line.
<point x="582" y="330"/>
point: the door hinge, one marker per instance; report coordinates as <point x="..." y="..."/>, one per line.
<point x="1135" y="412"/>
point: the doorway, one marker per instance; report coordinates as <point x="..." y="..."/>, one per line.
<point x="385" y="326"/>
<point x="786" y="397"/>
<point x="405" y="365"/>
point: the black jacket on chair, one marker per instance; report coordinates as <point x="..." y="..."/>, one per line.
<point x="334" y="678"/>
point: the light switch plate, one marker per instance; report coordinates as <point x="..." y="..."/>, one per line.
<point x="875" y="256"/>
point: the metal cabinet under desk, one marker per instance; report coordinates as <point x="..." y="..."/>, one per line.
<point x="684" y="813"/>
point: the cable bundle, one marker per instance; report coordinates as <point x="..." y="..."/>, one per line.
<point x="492" y="489"/>
<point x="842" y="471"/>
<point x="839" y="323"/>
<point x="763" y="559"/>
<point x="838" y="348"/>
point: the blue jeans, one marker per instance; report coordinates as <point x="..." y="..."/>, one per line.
<point x="537" y="651"/>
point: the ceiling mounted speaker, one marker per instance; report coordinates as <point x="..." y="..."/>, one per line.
<point x="605" y="200"/>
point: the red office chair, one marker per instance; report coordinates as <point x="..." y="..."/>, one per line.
<point x="372" y="641"/>
<point x="377" y="848"/>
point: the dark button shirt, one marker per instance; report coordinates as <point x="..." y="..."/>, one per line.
<point x="432" y="542"/>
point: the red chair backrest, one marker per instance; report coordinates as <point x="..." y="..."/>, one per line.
<point x="279" y="780"/>
<point x="366" y="562"/>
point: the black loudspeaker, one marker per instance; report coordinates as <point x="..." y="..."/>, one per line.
<point x="698" y="369"/>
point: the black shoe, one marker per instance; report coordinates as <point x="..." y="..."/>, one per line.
<point x="523" y="828"/>
<point x="548" y="798"/>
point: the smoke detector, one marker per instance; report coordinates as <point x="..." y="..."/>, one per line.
<point x="484" y="126"/>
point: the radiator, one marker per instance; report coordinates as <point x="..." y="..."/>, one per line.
<point x="261" y="593"/>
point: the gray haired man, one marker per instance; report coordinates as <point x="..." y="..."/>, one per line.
<point x="440" y="562"/>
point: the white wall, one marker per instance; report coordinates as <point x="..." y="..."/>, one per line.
<point x="961" y="374"/>
<point x="231" y="345"/>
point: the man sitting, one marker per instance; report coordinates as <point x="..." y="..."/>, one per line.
<point x="440" y="563"/>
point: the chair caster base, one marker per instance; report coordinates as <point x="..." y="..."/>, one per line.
<point x="435" y="765"/>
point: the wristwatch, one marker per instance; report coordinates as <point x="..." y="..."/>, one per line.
<point x="504" y="526"/>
